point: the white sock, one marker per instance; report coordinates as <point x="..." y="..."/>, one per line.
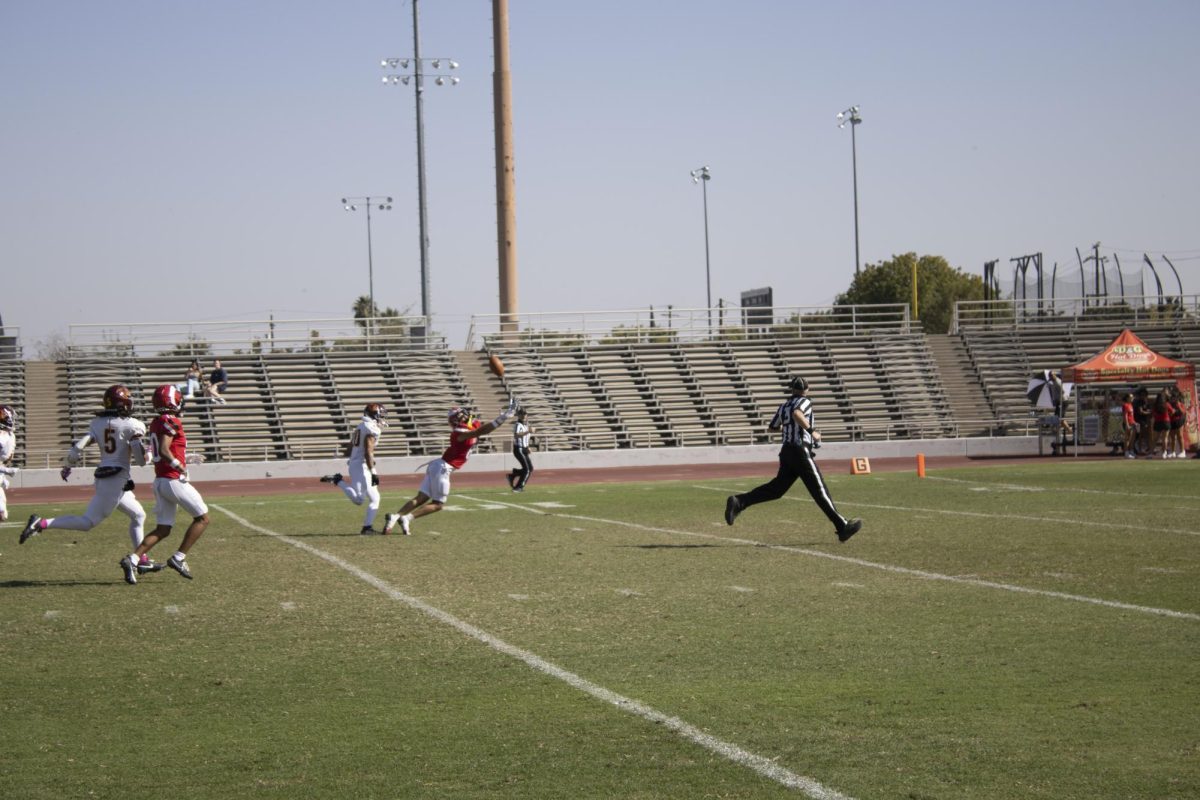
<point x="179" y="555"/>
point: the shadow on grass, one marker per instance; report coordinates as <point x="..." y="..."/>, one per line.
<point x="36" y="584"/>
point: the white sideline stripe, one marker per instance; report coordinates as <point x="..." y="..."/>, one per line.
<point x="1141" y="528"/>
<point x="763" y="766"/>
<point x="1026" y="518"/>
<point x="936" y="576"/>
<point x="1073" y="489"/>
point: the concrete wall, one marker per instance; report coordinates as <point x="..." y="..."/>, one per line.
<point x="587" y="459"/>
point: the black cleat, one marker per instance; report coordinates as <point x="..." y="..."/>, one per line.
<point x="31" y="528"/>
<point x="179" y="566"/>
<point x="367" y="530"/>
<point x="335" y="478"/>
<point x="130" y="568"/>
<point x="851" y="527"/>
<point x="732" y="509"/>
<point x="509" y="477"/>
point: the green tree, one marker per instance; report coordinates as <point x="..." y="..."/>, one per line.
<point x="939" y="286"/>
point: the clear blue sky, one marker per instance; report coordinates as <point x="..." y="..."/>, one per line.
<point x="186" y="159"/>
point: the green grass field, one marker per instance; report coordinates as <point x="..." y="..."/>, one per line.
<point x="1027" y="632"/>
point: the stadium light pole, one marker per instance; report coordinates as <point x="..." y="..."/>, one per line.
<point x="702" y="176"/>
<point x="851" y="116"/>
<point x="381" y="204"/>
<point x="417" y="78"/>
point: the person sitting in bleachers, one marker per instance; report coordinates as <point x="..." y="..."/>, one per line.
<point x="218" y="382"/>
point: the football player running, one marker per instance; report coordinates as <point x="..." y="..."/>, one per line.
<point x="168" y="445"/>
<point x="8" y="446"/>
<point x="465" y="430"/>
<point x="121" y="443"/>
<point x="364" y="480"/>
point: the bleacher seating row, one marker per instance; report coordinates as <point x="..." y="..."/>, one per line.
<point x="1007" y="357"/>
<point x="290" y="405"/>
<point x="871" y="386"/>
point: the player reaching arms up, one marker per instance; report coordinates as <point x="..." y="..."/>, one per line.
<point x="120" y="439"/>
<point x="8" y="446"/>
<point x="364" y="480"/>
<point x="171" y="487"/>
<point x="465" y="430"/>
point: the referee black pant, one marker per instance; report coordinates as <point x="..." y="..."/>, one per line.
<point x="795" y="461"/>
<point x="521" y="476"/>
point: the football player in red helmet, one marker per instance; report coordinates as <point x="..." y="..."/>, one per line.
<point x="363" y="485"/>
<point x="168" y="444"/>
<point x="8" y="448"/>
<point x="435" y="489"/>
<point x="120" y="439"/>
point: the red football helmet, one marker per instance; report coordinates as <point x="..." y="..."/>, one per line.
<point x="167" y="399"/>
<point x="8" y="418"/>
<point x="377" y="412"/>
<point x="118" y="399"/>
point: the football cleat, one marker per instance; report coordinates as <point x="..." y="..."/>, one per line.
<point x="405" y="521"/>
<point x="389" y="522"/>
<point x="732" y="509"/>
<point x="510" y="478"/>
<point x="146" y="565"/>
<point x="335" y="478"/>
<point x="130" y="569"/>
<point x="367" y="530"/>
<point x="851" y="527"/>
<point x="179" y="566"/>
<point x="32" y="528"/>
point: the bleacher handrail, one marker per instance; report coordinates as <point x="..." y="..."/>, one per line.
<point x="1077" y="313"/>
<point x="250" y="337"/>
<point x="680" y="325"/>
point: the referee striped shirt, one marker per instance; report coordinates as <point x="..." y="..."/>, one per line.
<point x="793" y="432"/>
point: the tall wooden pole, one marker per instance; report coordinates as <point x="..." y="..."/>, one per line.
<point x="506" y="185"/>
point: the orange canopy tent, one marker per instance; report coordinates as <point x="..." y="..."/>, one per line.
<point x="1130" y="360"/>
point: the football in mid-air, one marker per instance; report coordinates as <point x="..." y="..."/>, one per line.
<point x="496" y="365"/>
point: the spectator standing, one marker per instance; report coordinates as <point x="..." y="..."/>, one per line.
<point x="1141" y="415"/>
<point x="1129" y="423"/>
<point x="796" y="460"/>
<point x="1178" y="413"/>
<point x="218" y="382"/>
<point x="1160" y="414"/>
<point x="517" y="478"/>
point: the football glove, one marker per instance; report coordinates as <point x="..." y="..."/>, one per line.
<point x="374" y="479"/>
<point x="65" y="473"/>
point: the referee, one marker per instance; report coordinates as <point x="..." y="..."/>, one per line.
<point x="800" y="438"/>
<point x="517" y="478"/>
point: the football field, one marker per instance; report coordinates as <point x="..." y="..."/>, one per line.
<point x="1013" y="632"/>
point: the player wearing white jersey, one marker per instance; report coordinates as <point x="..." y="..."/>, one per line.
<point x="120" y="439"/>
<point x="8" y="447"/>
<point x="363" y="485"/>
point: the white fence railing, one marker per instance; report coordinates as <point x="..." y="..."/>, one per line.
<point x="667" y="325"/>
<point x="233" y="337"/>
<point x="1076" y="311"/>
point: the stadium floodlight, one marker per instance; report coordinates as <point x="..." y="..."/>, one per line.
<point x="380" y="204"/>
<point x="703" y="175"/>
<point x="417" y="77"/>
<point x="851" y="116"/>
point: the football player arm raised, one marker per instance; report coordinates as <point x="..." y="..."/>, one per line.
<point x="462" y="434"/>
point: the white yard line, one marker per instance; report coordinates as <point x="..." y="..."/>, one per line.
<point x="760" y="764"/>
<point x="1018" y="487"/>
<point x="936" y="576"/>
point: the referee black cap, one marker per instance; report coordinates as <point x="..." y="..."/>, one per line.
<point x="798" y="385"/>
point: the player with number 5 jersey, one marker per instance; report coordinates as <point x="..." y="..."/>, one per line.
<point x="120" y="439"/>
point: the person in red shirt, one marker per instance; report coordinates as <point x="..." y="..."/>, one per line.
<point x="465" y="430"/>
<point x="171" y="487"/>
<point x="1129" y="422"/>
